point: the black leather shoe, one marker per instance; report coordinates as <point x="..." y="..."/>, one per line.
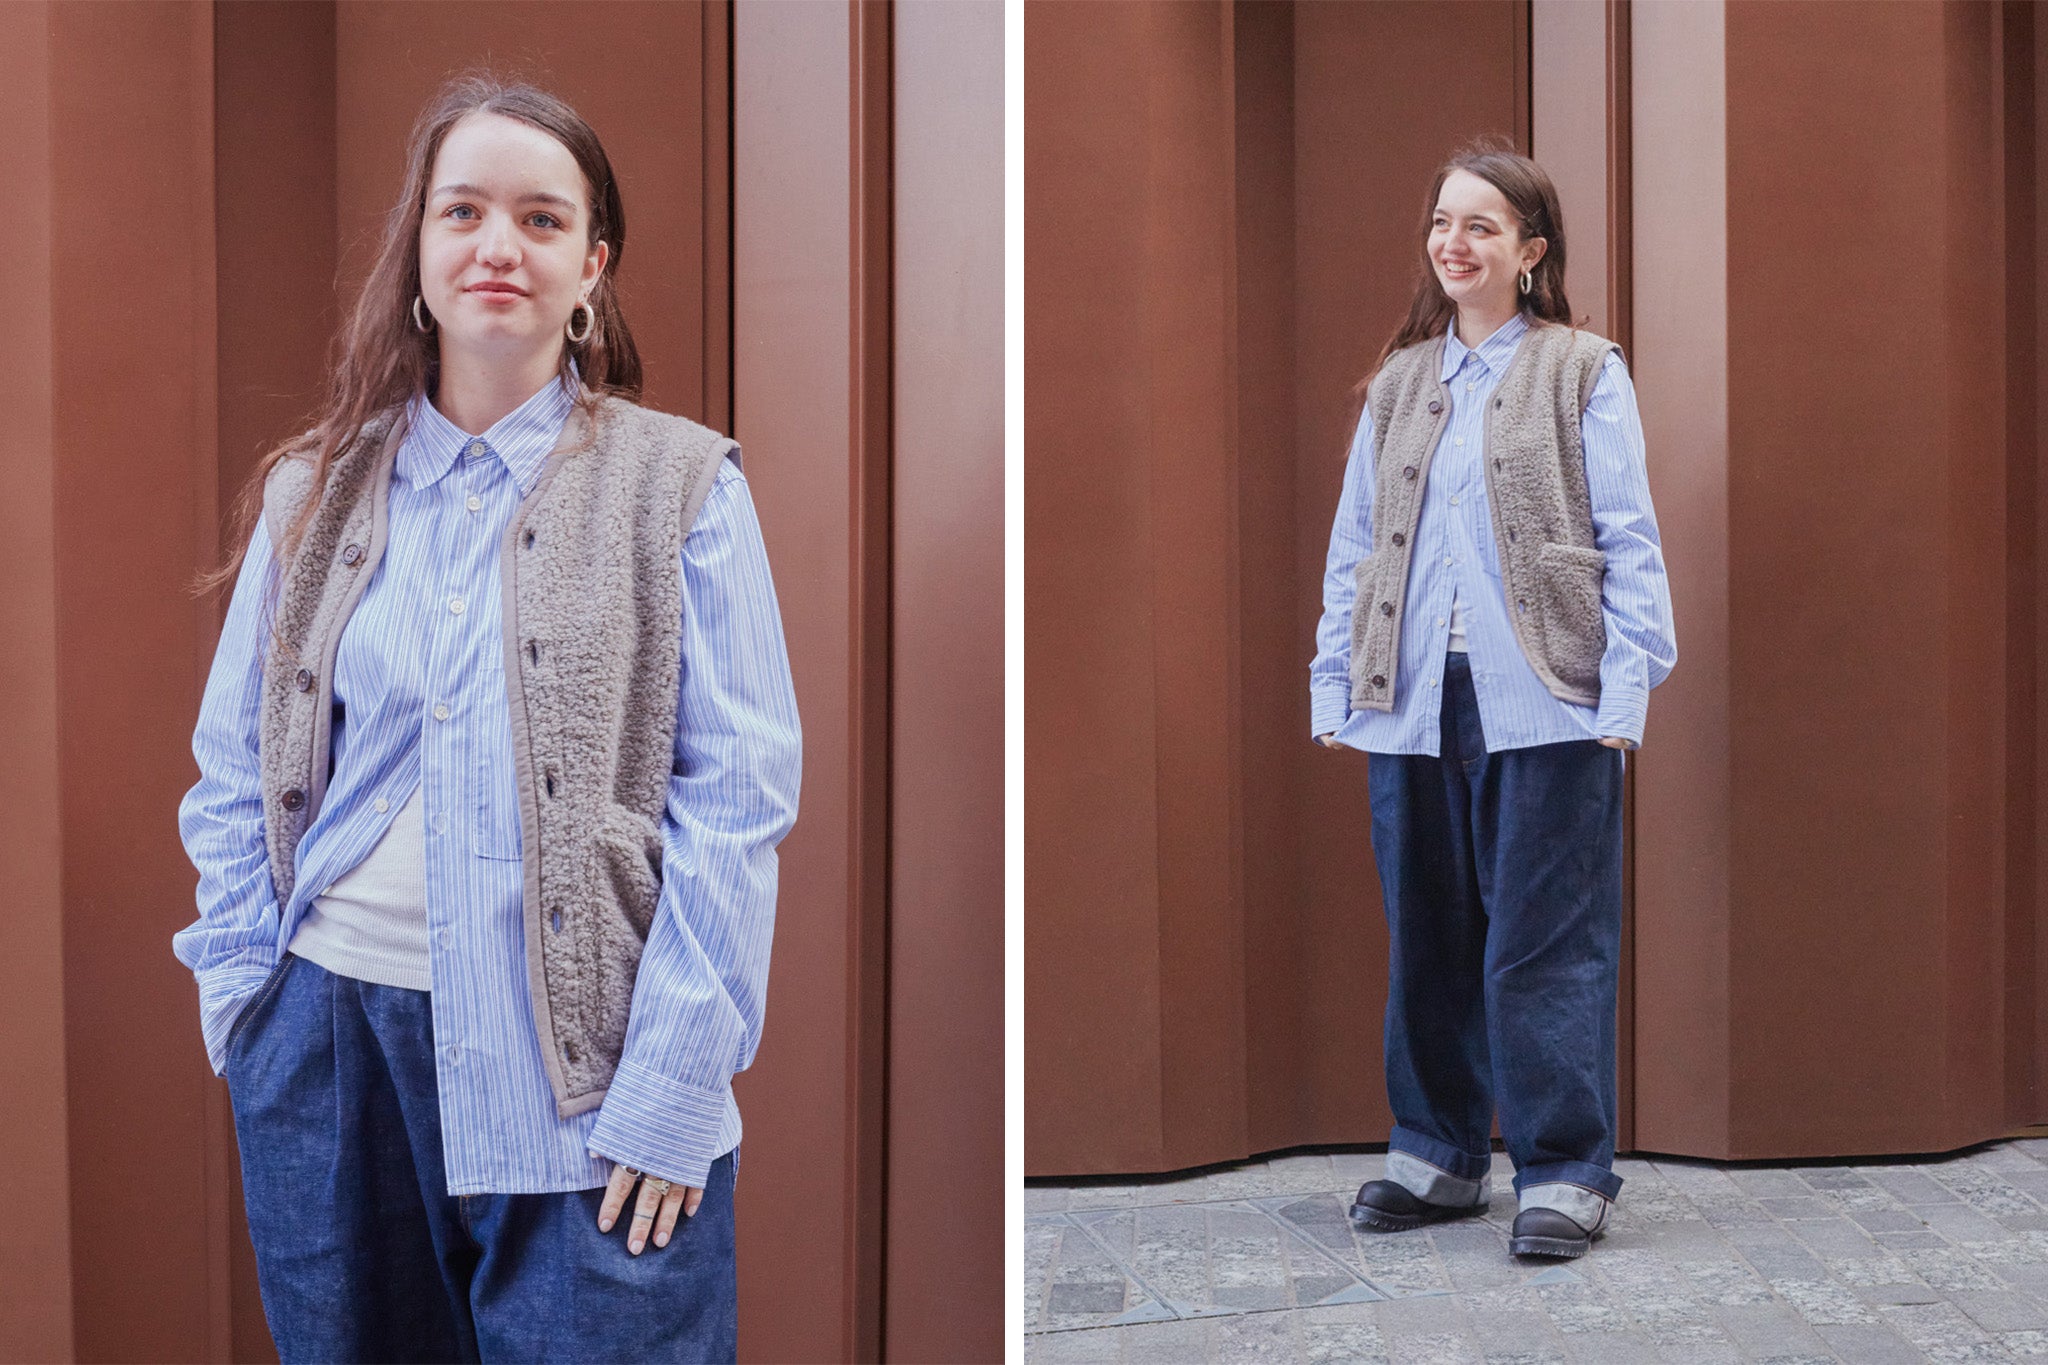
<point x="1384" y="1206"/>
<point x="1546" y="1232"/>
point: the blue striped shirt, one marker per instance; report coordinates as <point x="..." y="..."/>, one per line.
<point x="1455" y="562"/>
<point x="421" y="685"/>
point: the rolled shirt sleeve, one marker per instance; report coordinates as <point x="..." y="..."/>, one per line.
<point x="1636" y="595"/>
<point x="1329" y="674"/>
<point x="232" y="946"/>
<point x="699" y="997"/>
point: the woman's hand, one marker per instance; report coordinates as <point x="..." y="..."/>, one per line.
<point x="1613" y="743"/>
<point x="656" y="1210"/>
<point x="1329" y="741"/>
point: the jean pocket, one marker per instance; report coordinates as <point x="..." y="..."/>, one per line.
<point x="259" y="1000"/>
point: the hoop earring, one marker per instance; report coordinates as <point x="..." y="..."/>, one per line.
<point x="590" y="321"/>
<point x="1527" y="280"/>
<point x="423" y="327"/>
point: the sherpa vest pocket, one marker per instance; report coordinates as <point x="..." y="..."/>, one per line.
<point x="1569" y="620"/>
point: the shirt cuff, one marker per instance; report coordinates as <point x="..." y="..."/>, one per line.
<point x="1622" y="713"/>
<point x="224" y="991"/>
<point x="663" y="1126"/>
<point x="1328" y="709"/>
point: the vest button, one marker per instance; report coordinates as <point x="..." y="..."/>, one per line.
<point x="1511" y="533"/>
<point x="304" y="680"/>
<point x="572" y="1051"/>
<point x="1400" y="539"/>
<point x="1379" y="680"/>
<point x="1496" y="464"/>
<point x="1409" y="472"/>
<point x="1435" y="406"/>
<point x="294" y="799"/>
<point x="352" y="555"/>
<point x="1386" y="608"/>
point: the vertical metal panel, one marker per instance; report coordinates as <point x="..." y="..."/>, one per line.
<point x="794" y="312"/>
<point x="945" y="1089"/>
<point x="1091" y="824"/>
<point x="35" y="1176"/>
<point x="132" y="441"/>
<point x="1680" y="369"/>
<point x="1846" y="495"/>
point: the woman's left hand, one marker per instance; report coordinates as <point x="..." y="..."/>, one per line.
<point x="655" y="1210"/>
<point x="1614" y="743"/>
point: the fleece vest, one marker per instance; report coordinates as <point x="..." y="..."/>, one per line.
<point x="1535" y="468"/>
<point x="591" y="566"/>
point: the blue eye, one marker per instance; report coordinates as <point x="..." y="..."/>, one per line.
<point x="552" y="220"/>
<point x="458" y="206"/>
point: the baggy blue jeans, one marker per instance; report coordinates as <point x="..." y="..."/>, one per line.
<point x="363" y="1255"/>
<point x="1502" y="880"/>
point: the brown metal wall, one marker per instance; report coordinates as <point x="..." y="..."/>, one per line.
<point x="1816" y="230"/>
<point x="200" y="182"/>
<point x="1210" y="212"/>
<point x="945" y="1091"/>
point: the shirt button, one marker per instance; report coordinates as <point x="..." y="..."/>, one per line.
<point x="441" y="711"/>
<point x="452" y="1053"/>
<point x="1470" y="387"/>
<point x="1454" y="499"/>
<point x="447" y="937"/>
<point x="1447" y="563"/>
<point x="1440" y="620"/>
<point x="381" y="805"/>
<point x="476" y="447"/>
<point x="441" y="823"/>
<point x="1432" y="682"/>
<point x="1458" y="440"/>
<point x="455" y="604"/>
<point x="475" y="503"/>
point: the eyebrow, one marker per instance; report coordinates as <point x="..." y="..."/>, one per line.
<point x="477" y="192"/>
<point x="1470" y="217"/>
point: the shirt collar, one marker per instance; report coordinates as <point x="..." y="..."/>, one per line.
<point x="522" y="439"/>
<point x="1492" y="352"/>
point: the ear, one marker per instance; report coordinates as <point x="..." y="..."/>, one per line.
<point x="594" y="264"/>
<point x="1541" y="244"/>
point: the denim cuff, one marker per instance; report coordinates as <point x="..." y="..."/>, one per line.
<point x="1436" y="1171"/>
<point x="1433" y="1184"/>
<point x="1599" y="1179"/>
<point x="1576" y="1202"/>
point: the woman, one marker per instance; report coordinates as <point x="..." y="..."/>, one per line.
<point x="1495" y="613"/>
<point x="494" y="756"/>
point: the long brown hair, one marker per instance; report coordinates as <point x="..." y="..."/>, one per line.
<point x="1533" y="199"/>
<point x="380" y="359"/>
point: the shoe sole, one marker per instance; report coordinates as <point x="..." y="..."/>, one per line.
<point x="1379" y="1220"/>
<point x="1564" y="1248"/>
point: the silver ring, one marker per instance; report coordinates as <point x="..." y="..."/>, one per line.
<point x="659" y="1186"/>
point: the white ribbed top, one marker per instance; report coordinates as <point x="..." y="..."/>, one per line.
<point x="372" y="924"/>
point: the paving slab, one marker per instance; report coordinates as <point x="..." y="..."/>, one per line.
<point x="1867" y="1262"/>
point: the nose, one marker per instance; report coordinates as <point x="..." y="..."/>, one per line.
<point x="497" y="244"/>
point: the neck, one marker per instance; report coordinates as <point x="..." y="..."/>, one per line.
<point x="1477" y="322"/>
<point x="475" y="391"/>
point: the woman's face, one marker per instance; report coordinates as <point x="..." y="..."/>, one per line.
<point x="1473" y="246"/>
<point x="503" y="255"/>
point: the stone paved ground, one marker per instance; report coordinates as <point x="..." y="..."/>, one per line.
<point x="1939" y="1259"/>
